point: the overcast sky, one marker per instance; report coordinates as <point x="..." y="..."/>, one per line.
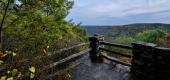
<point x="116" y="12"/>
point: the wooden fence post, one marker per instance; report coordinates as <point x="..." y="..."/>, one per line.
<point x="94" y="52"/>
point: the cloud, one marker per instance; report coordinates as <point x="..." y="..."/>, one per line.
<point x="106" y="10"/>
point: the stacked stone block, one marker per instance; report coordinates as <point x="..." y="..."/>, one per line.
<point x="162" y="63"/>
<point x="150" y="62"/>
<point x="143" y="62"/>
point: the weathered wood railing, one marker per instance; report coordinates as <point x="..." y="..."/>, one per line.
<point x="148" y="61"/>
<point x="56" y="52"/>
<point x="63" y="63"/>
<point x="51" y="70"/>
<point x="95" y="47"/>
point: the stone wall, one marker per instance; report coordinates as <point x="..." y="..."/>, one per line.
<point x="162" y="63"/>
<point x="150" y="62"/>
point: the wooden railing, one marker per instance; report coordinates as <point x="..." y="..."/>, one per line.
<point x="61" y="63"/>
<point x="146" y="59"/>
<point x="55" y="52"/>
<point x="116" y="45"/>
<point x="55" y="68"/>
<point x="97" y="47"/>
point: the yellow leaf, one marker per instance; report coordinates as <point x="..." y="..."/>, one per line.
<point x="11" y="78"/>
<point x="15" y="70"/>
<point x="8" y="72"/>
<point x="32" y="75"/>
<point x="48" y="47"/>
<point x="1" y="62"/>
<point x="32" y="69"/>
<point x="3" y="78"/>
<point x="3" y="55"/>
<point x="19" y="75"/>
<point x="6" y="51"/>
<point x="14" y="54"/>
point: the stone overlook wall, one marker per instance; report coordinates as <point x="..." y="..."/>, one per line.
<point x="150" y="62"/>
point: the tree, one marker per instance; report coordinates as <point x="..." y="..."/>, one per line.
<point x="125" y="40"/>
<point x="1" y="26"/>
<point x="36" y="26"/>
<point x="151" y="36"/>
<point x="33" y="28"/>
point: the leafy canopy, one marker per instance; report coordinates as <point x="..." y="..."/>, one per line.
<point x="151" y="36"/>
<point x="33" y="25"/>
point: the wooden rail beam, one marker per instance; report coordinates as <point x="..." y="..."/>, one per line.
<point x="116" y="45"/>
<point x="61" y="71"/>
<point x="66" y="49"/>
<point x="115" y="60"/>
<point x="62" y="61"/>
<point x="55" y="52"/>
<point x="65" y="60"/>
<point x="115" y="52"/>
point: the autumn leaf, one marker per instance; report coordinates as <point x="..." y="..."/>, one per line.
<point x="3" y="78"/>
<point x="11" y="78"/>
<point x="32" y="69"/>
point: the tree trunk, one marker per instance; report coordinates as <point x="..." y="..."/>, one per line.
<point x="1" y="27"/>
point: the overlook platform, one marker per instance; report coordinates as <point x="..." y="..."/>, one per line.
<point x="147" y="62"/>
<point x="96" y="71"/>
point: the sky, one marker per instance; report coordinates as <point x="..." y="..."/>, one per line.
<point x="119" y="12"/>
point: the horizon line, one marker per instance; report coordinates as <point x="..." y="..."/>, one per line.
<point x="123" y="24"/>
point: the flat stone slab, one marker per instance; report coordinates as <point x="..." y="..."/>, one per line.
<point x="99" y="71"/>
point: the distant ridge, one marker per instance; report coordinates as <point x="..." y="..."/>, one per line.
<point x="125" y="24"/>
<point x="118" y="30"/>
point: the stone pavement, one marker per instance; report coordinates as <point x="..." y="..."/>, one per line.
<point x="97" y="71"/>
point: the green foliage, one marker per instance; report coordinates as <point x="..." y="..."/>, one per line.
<point x="37" y="24"/>
<point x="151" y="36"/>
<point x="8" y="68"/>
<point x="33" y="29"/>
<point x="125" y="40"/>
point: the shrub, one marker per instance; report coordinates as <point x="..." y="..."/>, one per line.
<point x="151" y="36"/>
<point x="9" y="69"/>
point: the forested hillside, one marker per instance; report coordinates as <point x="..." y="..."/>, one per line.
<point x="111" y="32"/>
